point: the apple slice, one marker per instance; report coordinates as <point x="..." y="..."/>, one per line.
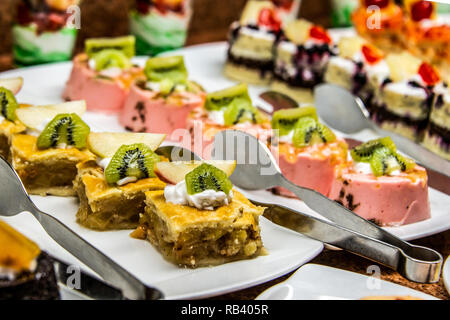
<point x="105" y="144"/>
<point x="12" y="84"/>
<point x="174" y="172"/>
<point x="34" y="117"/>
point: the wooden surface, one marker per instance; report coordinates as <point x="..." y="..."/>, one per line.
<point x="210" y="23"/>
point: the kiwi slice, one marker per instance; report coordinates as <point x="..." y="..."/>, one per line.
<point x="123" y="44"/>
<point x="239" y="111"/>
<point x="109" y="58"/>
<point x="223" y="98"/>
<point x="160" y="68"/>
<point x="133" y="160"/>
<point x="284" y="120"/>
<point x="65" y="128"/>
<point x="364" y="152"/>
<point x="8" y="104"/>
<point x="207" y="177"/>
<point x="384" y="161"/>
<point x="309" y="131"/>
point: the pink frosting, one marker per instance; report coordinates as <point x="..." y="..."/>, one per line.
<point x="147" y="111"/>
<point x="101" y="94"/>
<point x="387" y="200"/>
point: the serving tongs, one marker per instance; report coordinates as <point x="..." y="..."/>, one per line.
<point x="257" y="169"/>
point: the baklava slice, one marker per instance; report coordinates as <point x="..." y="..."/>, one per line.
<point x="195" y="228"/>
<point x="111" y="188"/>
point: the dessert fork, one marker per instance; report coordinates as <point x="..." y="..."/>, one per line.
<point x="256" y="169"/>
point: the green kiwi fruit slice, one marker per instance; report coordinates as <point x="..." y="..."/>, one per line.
<point x="384" y="162"/>
<point x="67" y="128"/>
<point x="160" y="68"/>
<point x="109" y="58"/>
<point x="364" y="152"/>
<point x="133" y="160"/>
<point x="239" y="111"/>
<point x="309" y="131"/>
<point x="284" y="120"/>
<point x="207" y="177"/>
<point x="8" y="104"/>
<point x="123" y="44"/>
<point x="223" y="98"/>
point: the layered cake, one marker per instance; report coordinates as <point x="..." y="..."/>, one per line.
<point x="9" y="124"/>
<point x="103" y="74"/>
<point x="381" y="23"/>
<point x="45" y="31"/>
<point x="26" y="272"/>
<point x="382" y="186"/>
<point x="437" y="134"/>
<point x="111" y="187"/>
<point x="301" y="56"/>
<point x="160" y="25"/>
<point x="308" y="151"/>
<point x="162" y="102"/>
<point x="359" y="67"/>
<point x="251" y="43"/>
<point x="200" y="220"/>
<point x="227" y="109"/>
<point x="404" y="100"/>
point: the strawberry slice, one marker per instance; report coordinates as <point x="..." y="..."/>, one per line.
<point x="269" y="18"/>
<point x="421" y="10"/>
<point x="429" y="75"/>
<point x="319" y="33"/>
<point x="371" y="54"/>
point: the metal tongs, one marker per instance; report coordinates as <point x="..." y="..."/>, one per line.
<point x="256" y="169"/>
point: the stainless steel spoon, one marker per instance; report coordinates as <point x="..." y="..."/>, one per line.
<point x="256" y="169"/>
<point x="14" y="200"/>
<point x="343" y="111"/>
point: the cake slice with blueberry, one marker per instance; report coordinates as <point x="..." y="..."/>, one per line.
<point x="301" y="56"/>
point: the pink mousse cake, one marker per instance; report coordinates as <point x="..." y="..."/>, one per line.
<point x="102" y="92"/>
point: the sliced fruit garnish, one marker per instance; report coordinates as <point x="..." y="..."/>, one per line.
<point x="174" y="172"/>
<point x="308" y="131"/>
<point x="421" y="10"/>
<point x="349" y="46"/>
<point x="8" y="104"/>
<point x="111" y="58"/>
<point x="402" y="66"/>
<point x="105" y="144"/>
<point x="284" y="120"/>
<point x="65" y="128"/>
<point x="269" y="19"/>
<point x="207" y="177"/>
<point x="223" y="98"/>
<point x="429" y="74"/>
<point x="239" y="111"/>
<point x="298" y="31"/>
<point x="319" y="33"/>
<point x="131" y="161"/>
<point x="160" y="68"/>
<point x="34" y="117"/>
<point x="371" y="54"/>
<point x="12" y="84"/>
<point x="123" y="44"/>
<point x="365" y="151"/>
<point x="385" y="162"/>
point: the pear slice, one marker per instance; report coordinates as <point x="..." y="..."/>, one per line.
<point x="12" y="84"/>
<point x="105" y="144"/>
<point x="36" y="116"/>
<point x="174" y="172"/>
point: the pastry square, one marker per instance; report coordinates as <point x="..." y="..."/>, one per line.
<point x="7" y="130"/>
<point x="193" y="238"/>
<point x="106" y="207"/>
<point x="46" y="172"/>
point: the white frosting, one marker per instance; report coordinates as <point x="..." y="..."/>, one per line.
<point x="103" y="162"/>
<point x="126" y="180"/>
<point x="379" y="70"/>
<point x="259" y="34"/>
<point x="206" y="200"/>
<point x="154" y="86"/>
<point x="287" y="138"/>
<point x="38" y="130"/>
<point x="404" y="88"/>
<point x="112" y="72"/>
<point x="216" y="116"/>
<point x="288" y="46"/>
<point x="92" y="65"/>
<point x="346" y="64"/>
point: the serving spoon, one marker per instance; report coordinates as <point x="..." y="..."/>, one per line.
<point x="256" y="169"/>
<point x="14" y="200"/>
<point x="347" y="113"/>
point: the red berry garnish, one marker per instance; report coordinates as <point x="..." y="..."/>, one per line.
<point x="371" y="54"/>
<point x="319" y="33"/>
<point x="269" y="18"/>
<point x="421" y="10"/>
<point x="379" y="3"/>
<point x="429" y="74"/>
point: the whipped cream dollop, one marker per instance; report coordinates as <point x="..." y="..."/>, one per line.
<point x="104" y="163"/>
<point x="112" y="72"/>
<point x="287" y="138"/>
<point x="365" y="168"/>
<point x="2" y="118"/>
<point x="216" y="116"/>
<point x="206" y="200"/>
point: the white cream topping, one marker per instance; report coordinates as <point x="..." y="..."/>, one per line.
<point x="379" y="70"/>
<point x="92" y="65"/>
<point x="38" y="130"/>
<point x="112" y="72"/>
<point x="343" y="63"/>
<point x="287" y="138"/>
<point x="103" y="162"/>
<point x="206" y="200"/>
<point x="2" y="118"/>
<point x="288" y="47"/>
<point x="126" y="180"/>
<point x="260" y="33"/>
<point x="154" y="86"/>
<point x="216" y="116"/>
<point x="404" y="88"/>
